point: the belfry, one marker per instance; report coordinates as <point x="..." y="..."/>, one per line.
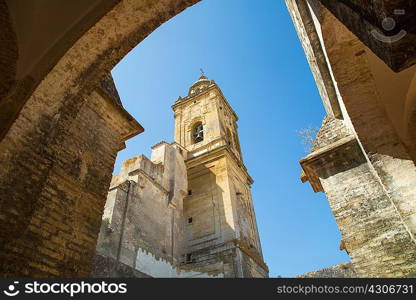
<point x="220" y="220"/>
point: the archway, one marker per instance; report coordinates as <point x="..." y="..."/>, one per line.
<point x="34" y="160"/>
<point x="41" y="217"/>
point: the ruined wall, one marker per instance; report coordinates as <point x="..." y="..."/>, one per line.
<point x="143" y="211"/>
<point x="107" y="267"/>
<point x="372" y="125"/>
<point x="253" y="268"/>
<point x="142" y="226"/>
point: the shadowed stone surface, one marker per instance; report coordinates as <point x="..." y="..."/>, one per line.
<point x="367" y="20"/>
<point x="345" y="270"/>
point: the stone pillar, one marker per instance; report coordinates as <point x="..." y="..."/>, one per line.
<point x="373" y="231"/>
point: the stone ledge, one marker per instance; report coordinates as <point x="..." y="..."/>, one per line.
<point x="308" y="173"/>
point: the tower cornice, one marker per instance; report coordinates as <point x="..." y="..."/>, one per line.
<point x="188" y="99"/>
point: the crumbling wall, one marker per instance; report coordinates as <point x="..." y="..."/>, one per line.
<point x="345" y="270"/>
<point x="143" y="222"/>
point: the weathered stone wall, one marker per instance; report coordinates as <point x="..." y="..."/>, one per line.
<point x="143" y="212"/>
<point x="107" y="267"/>
<point x="308" y="32"/>
<point x="345" y="270"/>
<point x="331" y="131"/>
<point x="52" y="201"/>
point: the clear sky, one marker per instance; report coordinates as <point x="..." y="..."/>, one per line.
<point x="251" y="50"/>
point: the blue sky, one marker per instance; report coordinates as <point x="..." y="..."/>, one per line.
<point x="251" y="50"/>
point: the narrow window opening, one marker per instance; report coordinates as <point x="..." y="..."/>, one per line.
<point x="189" y="257"/>
<point x="190" y="220"/>
<point x="229" y="137"/>
<point x="198" y="133"/>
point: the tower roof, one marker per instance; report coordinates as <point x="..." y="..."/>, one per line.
<point x="201" y="84"/>
<point x="202" y="78"/>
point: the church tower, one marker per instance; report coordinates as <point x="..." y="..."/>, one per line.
<point x="221" y="235"/>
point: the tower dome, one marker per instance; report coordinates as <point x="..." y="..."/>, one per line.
<point x="201" y="84"/>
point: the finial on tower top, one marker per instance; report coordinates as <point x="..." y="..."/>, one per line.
<point x="202" y="72"/>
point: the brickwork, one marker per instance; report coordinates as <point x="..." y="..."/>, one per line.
<point x="9" y="54"/>
<point x="52" y="201"/>
<point x="144" y="210"/>
<point x="384" y="149"/>
<point x="107" y="267"/>
<point x="345" y="270"/>
<point x="331" y="131"/>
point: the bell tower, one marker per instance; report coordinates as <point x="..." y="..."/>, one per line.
<point x="220" y="224"/>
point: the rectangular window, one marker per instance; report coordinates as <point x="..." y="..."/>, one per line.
<point x="189" y="192"/>
<point x="189" y="220"/>
<point x="189" y="257"/>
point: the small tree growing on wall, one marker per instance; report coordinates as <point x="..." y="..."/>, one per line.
<point x="308" y="136"/>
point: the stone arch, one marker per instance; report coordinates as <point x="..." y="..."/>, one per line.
<point x="197" y="132"/>
<point x="53" y="105"/>
<point x="100" y="47"/>
<point x="31" y="144"/>
<point x="190" y="128"/>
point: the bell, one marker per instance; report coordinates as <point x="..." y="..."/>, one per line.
<point x="199" y="136"/>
